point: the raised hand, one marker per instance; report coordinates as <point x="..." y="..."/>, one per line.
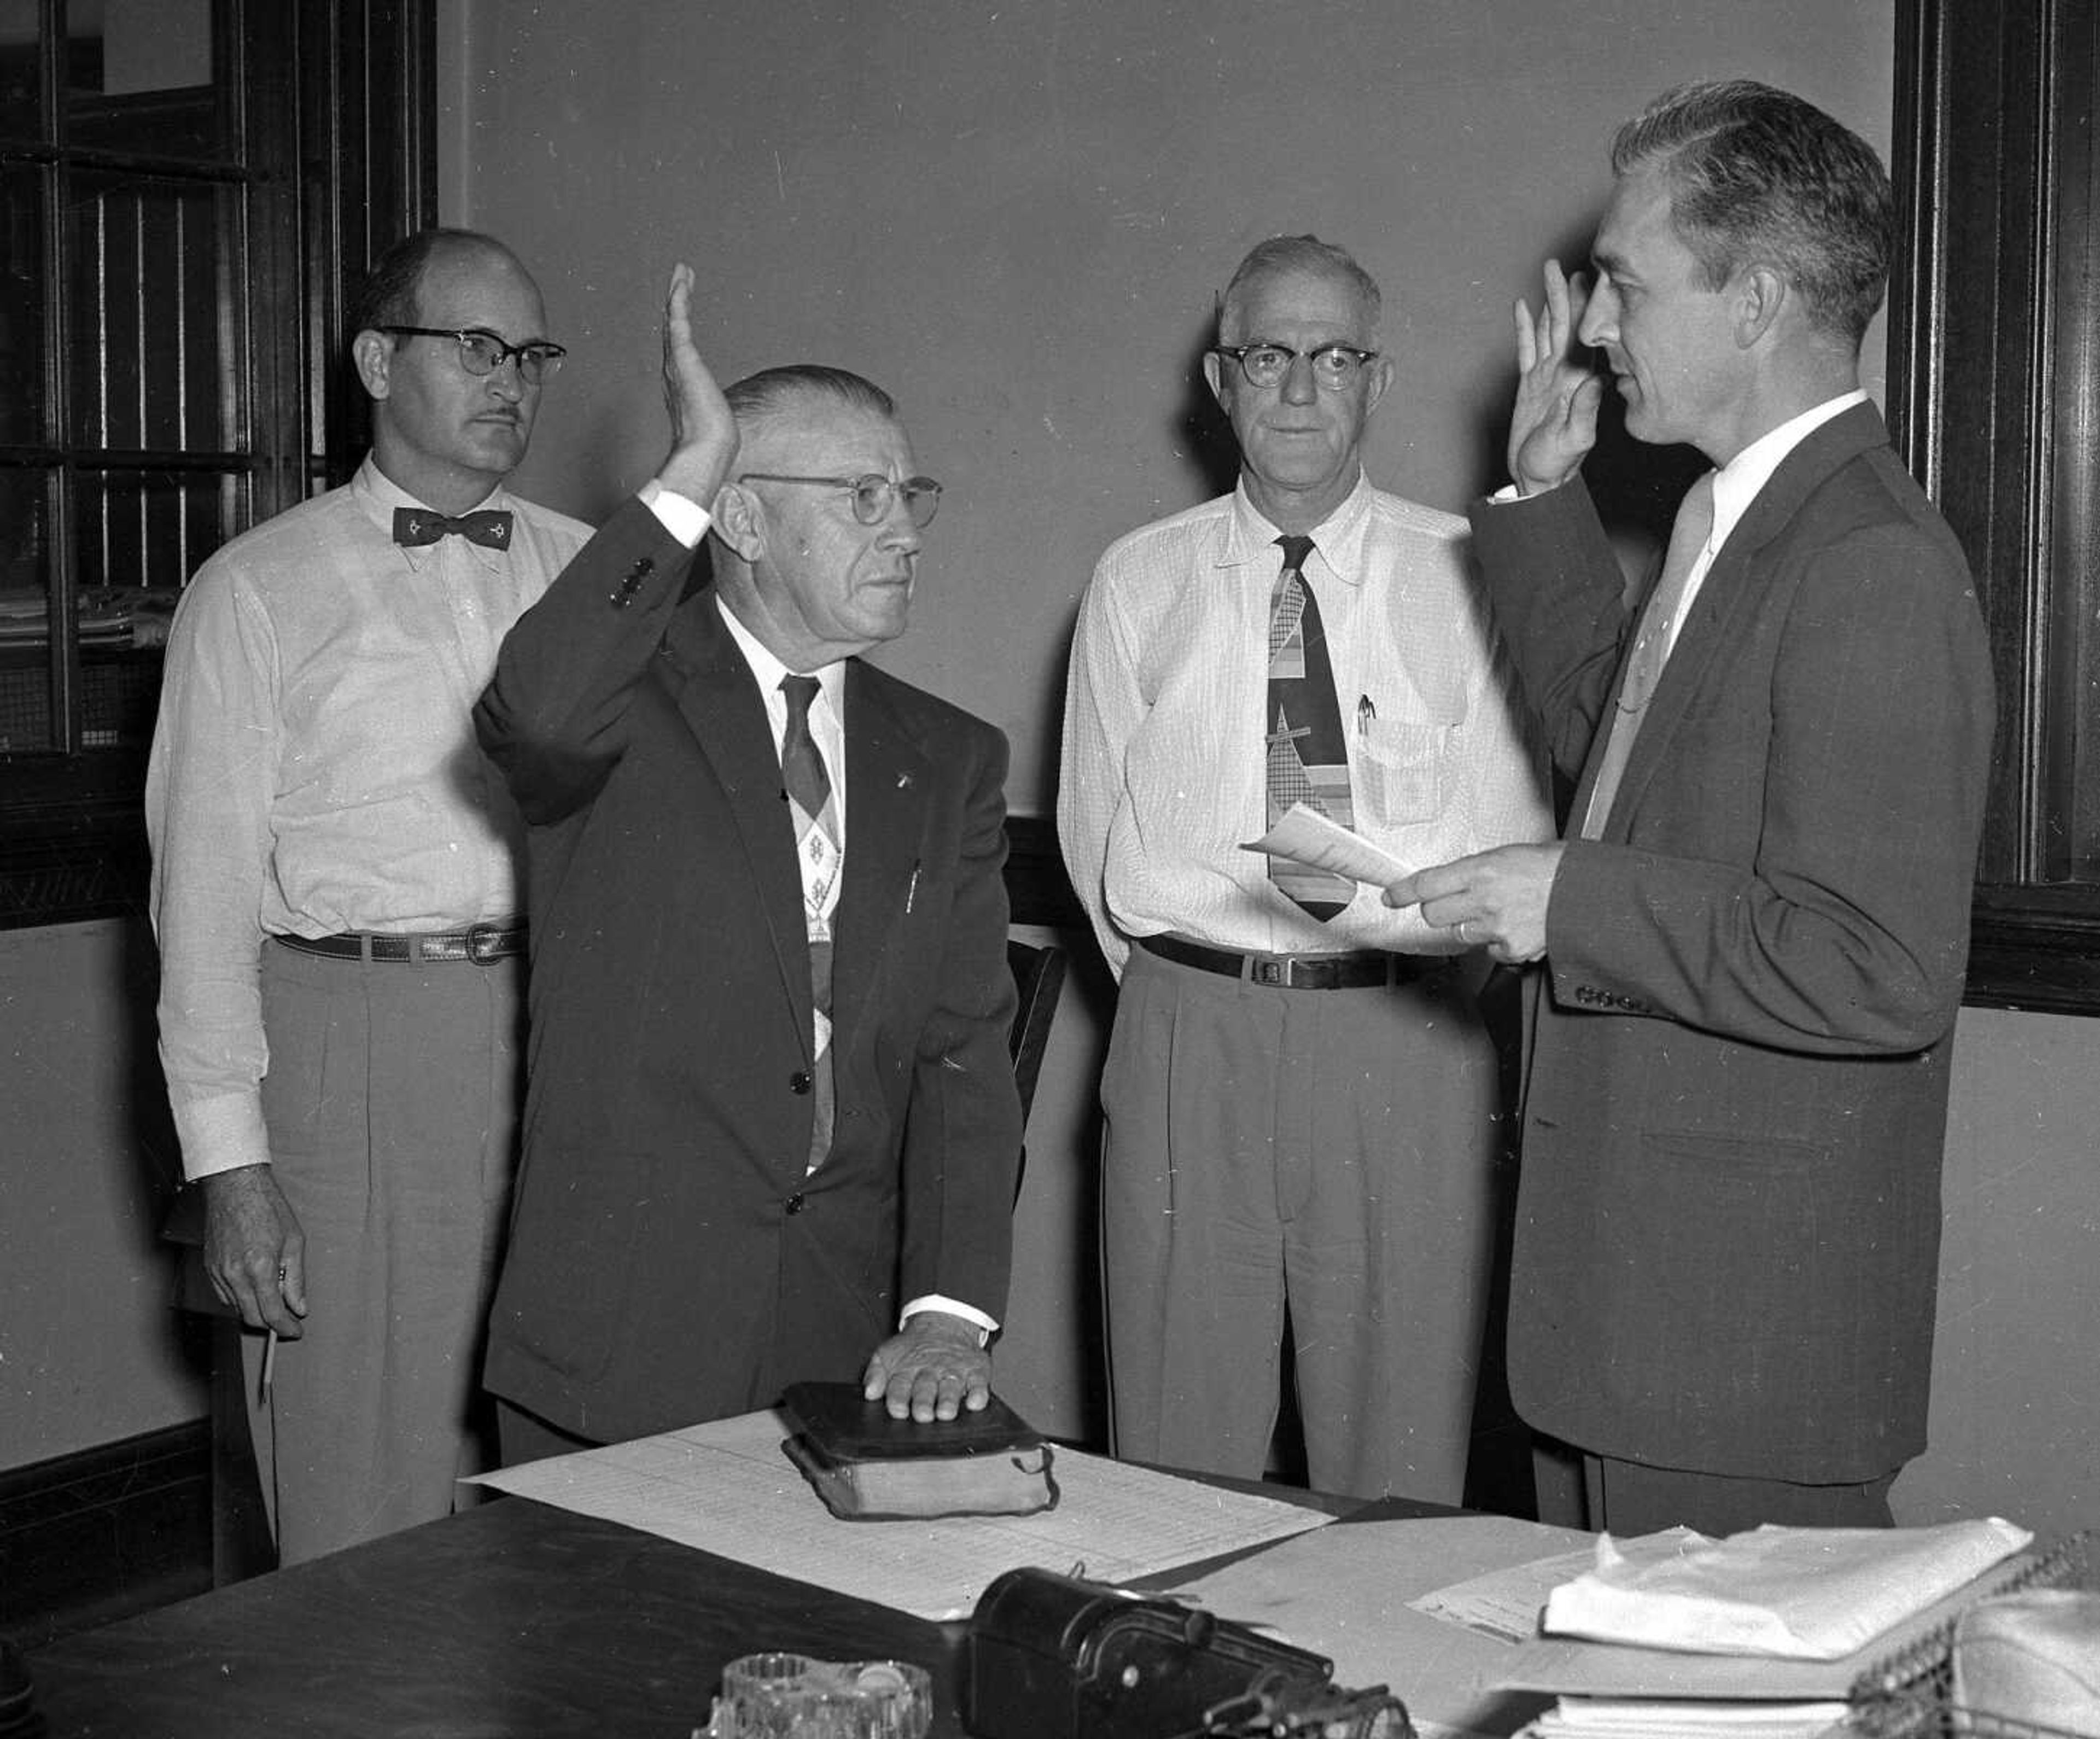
<point x="703" y="432"/>
<point x="1554" y="423"/>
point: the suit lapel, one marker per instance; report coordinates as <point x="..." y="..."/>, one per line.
<point x="888" y="787"/>
<point x="1729" y="588"/>
<point x="721" y="704"/>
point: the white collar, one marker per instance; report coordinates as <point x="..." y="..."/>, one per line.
<point x="1736" y="483"/>
<point x="768" y="670"/>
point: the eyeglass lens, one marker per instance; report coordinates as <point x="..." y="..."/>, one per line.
<point x="1265" y="364"/>
<point x="871" y="496"/>
<point x="483" y="353"/>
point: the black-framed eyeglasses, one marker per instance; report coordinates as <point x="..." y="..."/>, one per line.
<point x="482" y="351"/>
<point x="871" y="492"/>
<point x="1335" y="366"/>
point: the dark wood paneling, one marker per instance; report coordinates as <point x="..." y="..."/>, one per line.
<point x="99" y="1535"/>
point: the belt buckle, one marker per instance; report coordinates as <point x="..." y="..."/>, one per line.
<point x="481" y="942"/>
<point x="1274" y="972"/>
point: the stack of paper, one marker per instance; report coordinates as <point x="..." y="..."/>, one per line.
<point x="1756" y="1636"/>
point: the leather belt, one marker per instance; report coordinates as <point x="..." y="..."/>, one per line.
<point x="1297" y="971"/>
<point x="480" y="941"/>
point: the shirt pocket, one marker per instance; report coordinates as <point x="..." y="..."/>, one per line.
<point x="1405" y="768"/>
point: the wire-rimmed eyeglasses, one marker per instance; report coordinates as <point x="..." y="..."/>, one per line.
<point x="482" y="351"/>
<point x="1335" y="366"/>
<point x="871" y="492"/>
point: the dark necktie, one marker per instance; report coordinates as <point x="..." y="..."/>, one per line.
<point x="809" y="788"/>
<point x="1688" y="534"/>
<point x="1308" y="758"/>
<point x="417" y="526"/>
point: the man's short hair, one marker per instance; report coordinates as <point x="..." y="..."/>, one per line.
<point x="1758" y="174"/>
<point x="770" y="392"/>
<point x="1306" y="255"/>
<point x="390" y="295"/>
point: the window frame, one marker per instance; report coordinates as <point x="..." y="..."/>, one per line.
<point x="337" y="162"/>
<point x="1994" y="350"/>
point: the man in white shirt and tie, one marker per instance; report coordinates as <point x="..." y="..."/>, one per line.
<point x="1755" y="934"/>
<point x="1300" y="1097"/>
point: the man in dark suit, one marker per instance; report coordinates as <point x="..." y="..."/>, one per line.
<point x="770" y="1125"/>
<point x="1755" y="927"/>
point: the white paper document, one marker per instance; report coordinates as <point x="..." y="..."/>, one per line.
<point x="1306" y="837"/>
<point x="727" y="1488"/>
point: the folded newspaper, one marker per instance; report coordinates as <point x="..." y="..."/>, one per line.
<point x="1792" y="1593"/>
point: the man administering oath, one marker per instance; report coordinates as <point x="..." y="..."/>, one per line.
<point x="1755" y="930"/>
<point x="771" y="1127"/>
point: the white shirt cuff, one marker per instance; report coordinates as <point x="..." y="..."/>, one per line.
<point x="951" y="1307"/>
<point x="221" y="1133"/>
<point x="681" y="515"/>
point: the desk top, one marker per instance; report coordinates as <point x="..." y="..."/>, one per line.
<point x="512" y="1617"/>
<point x="509" y="1618"/>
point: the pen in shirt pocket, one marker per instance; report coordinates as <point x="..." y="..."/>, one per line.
<point x="911" y="890"/>
<point x="1365" y="712"/>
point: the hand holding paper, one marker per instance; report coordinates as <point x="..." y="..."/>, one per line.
<point x="1306" y="837"/>
<point x="1498" y="897"/>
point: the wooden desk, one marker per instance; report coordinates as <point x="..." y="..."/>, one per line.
<point x="510" y="1618"/>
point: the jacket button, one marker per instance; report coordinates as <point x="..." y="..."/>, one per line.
<point x="796" y="1203"/>
<point x="799" y="1081"/>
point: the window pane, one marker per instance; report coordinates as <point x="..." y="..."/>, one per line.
<point x="25" y="681"/>
<point x="140" y="78"/>
<point x="148" y="311"/>
<point x="21" y="305"/>
<point x="20" y="87"/>
<point x="147" y="531"/>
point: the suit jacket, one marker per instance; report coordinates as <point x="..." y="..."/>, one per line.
<point x="1735" y="1089"/>
<point x="668" y="1260"/>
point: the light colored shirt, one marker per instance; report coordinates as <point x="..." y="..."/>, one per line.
<point x="1738" y="483"/>
<point x="1164" y="776"/>
<point x="315" y="770"/>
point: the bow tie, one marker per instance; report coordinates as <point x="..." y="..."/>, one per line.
<point x="417" y="526"/>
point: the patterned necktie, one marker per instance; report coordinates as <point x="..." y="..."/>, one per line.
<point x="417" y="526"/>
<point x="808" y="790"/>
<point x="1688" y="535"/>
<point x="1308" y="758"/>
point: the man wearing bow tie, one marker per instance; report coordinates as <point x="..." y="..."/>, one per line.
<point x="336" y="894"/>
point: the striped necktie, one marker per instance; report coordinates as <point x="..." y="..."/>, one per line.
<point x="809" y="788"/>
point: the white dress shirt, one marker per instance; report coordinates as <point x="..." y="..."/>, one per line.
<point x="313" y="769"/>
<point x="1164" y="775"/>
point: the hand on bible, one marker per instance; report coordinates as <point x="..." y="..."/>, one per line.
<point x="932" y="1369"/>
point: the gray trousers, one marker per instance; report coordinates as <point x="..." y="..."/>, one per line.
<point x="392" y="1102"/>
<point x="1329" y="1151"/>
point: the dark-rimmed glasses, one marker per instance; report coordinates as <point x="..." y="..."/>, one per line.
<point x="871" y="492"/>
<point x="482" y="351"/>
<point x="1335" y="366"/>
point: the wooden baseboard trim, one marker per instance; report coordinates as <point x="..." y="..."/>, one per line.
<point x="105" y="1532"/>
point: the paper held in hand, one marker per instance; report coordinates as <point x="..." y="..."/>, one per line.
<point x="1306" y="837"/>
